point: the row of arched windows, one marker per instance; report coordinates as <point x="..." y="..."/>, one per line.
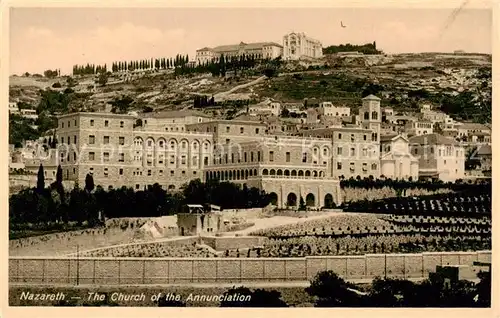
<point x="241" y="174"/>
<point x="293" y="173"/>
<point x="172" y="144"/>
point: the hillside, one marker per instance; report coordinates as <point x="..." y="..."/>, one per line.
<point x="459" y="84"/>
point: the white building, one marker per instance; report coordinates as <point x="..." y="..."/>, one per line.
<point x="266" y="107"/>
<point x="328" y="110"/>
<point x="298" y="45"/>
<point x="13" y="109"/>
<point x="439" y="157"/>
<point x="436" y="116"/>
<point x="396" y="161"/>
<point x="260" y="50"/>
<point x="418" y="128"/>
<point x="29" y="113"/>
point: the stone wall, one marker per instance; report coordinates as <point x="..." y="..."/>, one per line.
<point x="106" y="271"/>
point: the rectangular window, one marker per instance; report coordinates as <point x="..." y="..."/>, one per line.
<point x="353" y="152"/>
<point x="339" y="165"/>
<point x="365" y="152"/>
<point x="160" y="173"/>
<point x="271" y="155"/>
<point x="149" y="172"/>
<point x="258" y="156"/>
<point x="121" y="124"/>
<point x="227" y="129"/>
<point x="91" y="156"/>
<point x="121" y="171"/>
<point x="121" y="157"/>
<point x="69" y="140"/>
<point x="242" y="130"/>
<point x="121" y="140"/>
<point x="287" y="157"/>
<point x="74" y="156"/>
<point x="106" y="140"/>
<point x="75" y="122"/>
<point x="69" y="124"/>
<point x="228" y="141"/>
<point x="106" y="172"/>
<point x="364" y="137"/>
<point x="106" y="156"/>
<point x="74" y="139"/>
<point x="304" y="157"/>
<point x="91" y="122"/>
<point x="339" y="150"/>
<point x="172" y="159"/>
<point x="256" y="131"/>
<point x="340" y="136"/>
<point x="352" y="137"/>
<point x="106" y="123"/>
<point x="183" y="160"/>
<point x="195" y="161"/>
<point x="62" y="124"/>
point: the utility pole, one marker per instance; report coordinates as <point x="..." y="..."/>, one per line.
<point x="77" y="264"/>
<point x="385" y="266"/>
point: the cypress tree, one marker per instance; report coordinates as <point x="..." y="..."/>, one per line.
<point x="40" y="183"/>
<point x="59" y="175"/>
<point x="89" y="183"/>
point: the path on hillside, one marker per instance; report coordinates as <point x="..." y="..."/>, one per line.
<point x="275" y="221"/>
<point x="238" y="87"/>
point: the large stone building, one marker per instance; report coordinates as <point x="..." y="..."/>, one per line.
<point x="289" y="168"/>
<point x="439" y="157"/>
<point x="123" y="150"/>
<point x="298" y="45"/>
<point x="260" y="50"/>
<point x="173" y="148"/>
<point x="356" y="148"/>
<point x="327" y="109"/>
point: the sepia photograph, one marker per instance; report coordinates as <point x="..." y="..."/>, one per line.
<point x="250" y="156"/>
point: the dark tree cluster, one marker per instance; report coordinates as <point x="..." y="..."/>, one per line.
<point x="148" y="64"/>
<point x="203" y="101"/>
<point x="42" y="205"/>
<point x="89" y="69"/>
<point x="52" y="73"/>
<point x="330" y="290"/>
<point x="369" y="48"/>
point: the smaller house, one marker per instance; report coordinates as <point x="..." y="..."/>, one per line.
<point x="195" y="219"/>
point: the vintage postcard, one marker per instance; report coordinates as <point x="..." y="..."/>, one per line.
<point x="249" y="155"/>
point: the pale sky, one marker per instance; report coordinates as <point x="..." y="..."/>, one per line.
<point x="50" y="38"/>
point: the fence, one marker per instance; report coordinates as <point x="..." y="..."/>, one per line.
<point x="117" y="271"/>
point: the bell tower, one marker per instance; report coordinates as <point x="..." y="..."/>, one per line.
<point x="370" y="115"/>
